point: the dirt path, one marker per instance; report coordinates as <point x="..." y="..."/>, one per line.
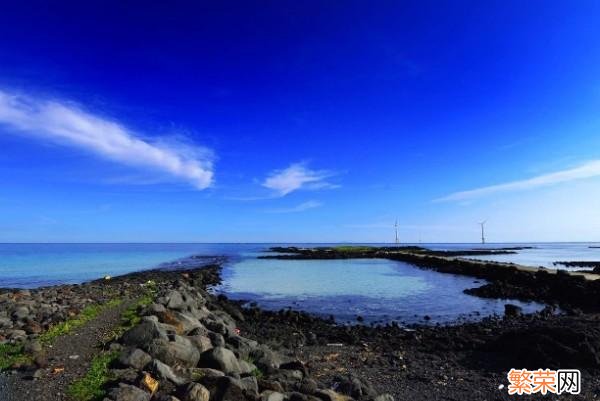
<point x="73" y="352"/>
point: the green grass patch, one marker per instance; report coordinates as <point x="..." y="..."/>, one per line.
<point x="88" y="313"/>
<point x="113" y="303"/>
<point x="354" y="249"/>
<point x="248" y="359"/>
<point x="11" y="354"/>
<point x="91" y="386"/>
<point x="256" y="372"/>
<point x="131" y="316"/>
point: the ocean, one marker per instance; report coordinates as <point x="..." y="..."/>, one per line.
<point x="376" y="290"/>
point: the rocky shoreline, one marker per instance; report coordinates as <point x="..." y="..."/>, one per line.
<point x="24" y="313"/>
<point x="592" y="266"/>
<point x="187" y="344"/>
<point x="569" y="291"/>
<point x="351" y="252"/>
<point x="192" y="346"/>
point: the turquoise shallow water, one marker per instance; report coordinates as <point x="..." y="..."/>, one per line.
<point x="378" y="290"/>
<point x="274" y="279"/>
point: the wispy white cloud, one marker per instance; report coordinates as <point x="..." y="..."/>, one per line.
<point x="300" y="208"/>
<point x="297" y="176"/>
<point x="586" y="170"/>
<point x="66" y="124"/>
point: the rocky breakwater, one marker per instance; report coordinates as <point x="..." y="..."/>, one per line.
<point x="356" y="252"/>
<point x="187" y="347"/>
<point x="24" y="314"/>
<point x="583" y="265"/>
<point x="505" y="280"/>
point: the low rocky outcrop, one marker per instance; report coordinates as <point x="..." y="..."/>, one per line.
<point x="193" y="348"/>
<point x="24" y="314"/>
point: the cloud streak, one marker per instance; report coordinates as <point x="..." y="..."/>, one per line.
<point x="295" y="177"/>
<point x="66" y="124"/>
<point x="300" y="208"/>
<point x="586" y="170"/>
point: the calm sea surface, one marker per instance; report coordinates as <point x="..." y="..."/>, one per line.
<point x="377" y="290"/>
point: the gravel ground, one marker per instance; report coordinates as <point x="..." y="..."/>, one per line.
<point x="68" y="359"/>
<point x="462" y="362"/>
<point x="74" y="352"/>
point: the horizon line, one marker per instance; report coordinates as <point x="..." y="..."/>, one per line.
<point x="297" y="242"/>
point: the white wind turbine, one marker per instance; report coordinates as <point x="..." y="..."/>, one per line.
<point x="482" y="224"/>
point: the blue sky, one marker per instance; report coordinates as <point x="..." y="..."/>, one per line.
<point x="299" y="121"/>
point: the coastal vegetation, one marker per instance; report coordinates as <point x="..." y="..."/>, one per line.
<point x="11" y="355"/>
<point x="131" y="316"/>
<point x="353" y="248"/>
<point x="88" y="313"/>
<point x="91" y="386"/>
<point x="356" y="251"/>
<point x="17" y="354"/>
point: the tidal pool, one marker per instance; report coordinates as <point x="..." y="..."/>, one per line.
<point x="378" y="290"/>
